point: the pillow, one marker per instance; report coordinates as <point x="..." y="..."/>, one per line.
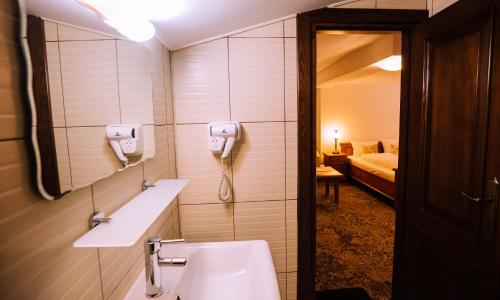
<point x="370" y="149"/>
<point x="394" y="149"/>
<point x="386" y="143"/>
<point x="357" y="147"/>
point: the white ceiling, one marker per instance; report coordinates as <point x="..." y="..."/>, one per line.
<point x="332" y="47"/>
<point x="201" y="19"/>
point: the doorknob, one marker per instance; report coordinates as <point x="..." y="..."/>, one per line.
<point x="490" y="194"/>
<point x="489" y="211"/>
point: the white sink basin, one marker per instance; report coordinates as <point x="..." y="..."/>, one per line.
<point x="223" y="271"/>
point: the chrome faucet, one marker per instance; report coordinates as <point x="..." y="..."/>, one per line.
<point x="153" y="261"/>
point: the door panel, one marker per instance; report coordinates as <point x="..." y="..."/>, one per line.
<point x="456" y="99"/>
<point x="450" y="138"/>
<point x="442" y="275"/>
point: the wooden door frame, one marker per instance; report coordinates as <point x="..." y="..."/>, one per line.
<point x="345" y="19"/>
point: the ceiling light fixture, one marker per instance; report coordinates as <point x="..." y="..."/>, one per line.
<point x="132" y="17"/>
<point x="391" y="63"/>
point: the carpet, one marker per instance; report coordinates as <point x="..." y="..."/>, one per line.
<point x="354" y="241"/>
<point x="343" y="294"/>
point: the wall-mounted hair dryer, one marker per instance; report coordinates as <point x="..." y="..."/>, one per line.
<point x="126" y="140"/>
<point x="221" y="138"/>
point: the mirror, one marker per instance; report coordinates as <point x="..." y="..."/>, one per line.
<point x="83" y="81"/>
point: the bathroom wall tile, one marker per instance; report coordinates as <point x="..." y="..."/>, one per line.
<point x="135" y="83"/>
<point x="111" y="193"/>
<point x="207" y="222"/>
<point x="271" y="30"/>
<point x="149" y="142"/>
<point x="256" y="70"/>
<point x="201" y="83"/>
<point x="171" y="152"/>
<point x="62" y="154"/>
<point x="359" y="4"/>
<point x="117" y="262"/>
<point x="291" y="79"/>
<point x="68" y="33"/>
<point x="282" y="284"/>
<point x="12" y="121"/>
<point x="263" y="221"/>
<point x="259" y="162"/>
<point x="291" y="160"/>
<point x="291" y="286"/>
<point x="121" y="290"/>
<point x="91" y="157"/>
<point x="196" y="162"/>
<point x="169" y="230"/>
<point x="158" y="75"/>
<point x="158" y="166"/>
<point x="89" y="79"/>
<point x="439" y="5"/>
<point x="402" y="4"/>
<point x="169" y="90"/>
<point x="291" y="235"/>
<point x="55" y="84"/>
<point x="176" y="225"/>
<point x="165" y="216"/>
<point x="50" y="31"/>
<point x="290" y="27"/>
<point x="53" y="269"/>
<point x="168" y="86"/>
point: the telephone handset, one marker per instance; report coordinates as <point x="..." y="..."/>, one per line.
<point x="221" y="138"/>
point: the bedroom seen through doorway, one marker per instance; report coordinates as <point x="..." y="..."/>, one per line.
<point x="358" y="95"/>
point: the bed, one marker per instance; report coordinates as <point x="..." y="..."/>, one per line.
<point x="376" y="169"/>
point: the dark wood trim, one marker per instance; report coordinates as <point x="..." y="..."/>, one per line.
<point x="343" y="19"/>
<point x="41" y="94"/>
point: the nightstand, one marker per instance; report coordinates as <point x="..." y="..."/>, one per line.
<point x="336" y="161"/>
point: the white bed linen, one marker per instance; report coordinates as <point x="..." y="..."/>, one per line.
<point x="385" y="160"/>
<point x="382" y="172"/>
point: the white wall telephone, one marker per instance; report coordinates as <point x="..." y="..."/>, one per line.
<point x="126" y="140"/>
<point x="221" y="138"/>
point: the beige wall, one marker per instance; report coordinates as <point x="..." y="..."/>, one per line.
<point x="434" y="6"/>
<point x="361" y="111"/>
<point x="249" y="77"/>
<point x="37" y="260"/>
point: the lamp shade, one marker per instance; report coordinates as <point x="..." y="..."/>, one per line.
<point x="336" y="134"/>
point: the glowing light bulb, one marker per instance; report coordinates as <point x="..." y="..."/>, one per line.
<point x="391" y="63"/>
<point x="136" y="29"/>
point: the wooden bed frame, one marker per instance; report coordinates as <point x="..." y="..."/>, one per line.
<point x="381" y="185"/>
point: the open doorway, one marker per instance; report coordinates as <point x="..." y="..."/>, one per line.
<point x="358" y="96"/>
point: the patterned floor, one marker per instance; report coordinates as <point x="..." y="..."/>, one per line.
<point x="354" y="242"/>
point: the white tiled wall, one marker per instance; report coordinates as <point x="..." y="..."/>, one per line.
<point x="201" y="83"/>
<point x="256" y="69"/>
<point x="248" y="77"/>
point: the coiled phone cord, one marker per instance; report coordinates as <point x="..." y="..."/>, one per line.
<point x="224" y="181"/>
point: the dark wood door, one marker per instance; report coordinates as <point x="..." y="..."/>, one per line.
<point x="454" y="154"/>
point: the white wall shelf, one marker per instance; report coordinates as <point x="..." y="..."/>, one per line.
<point x="130" y="222"/>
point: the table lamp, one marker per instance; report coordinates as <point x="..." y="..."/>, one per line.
<point x="336" y="136"/>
